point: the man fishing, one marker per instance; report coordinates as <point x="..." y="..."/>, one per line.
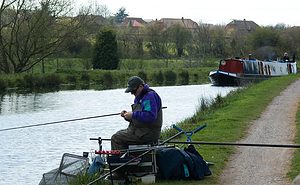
<point x="145" y="119"/>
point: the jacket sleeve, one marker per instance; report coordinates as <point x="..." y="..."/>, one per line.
<point x="151" y="104"/>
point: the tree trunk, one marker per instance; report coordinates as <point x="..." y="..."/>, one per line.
<point x="4" y="65"/>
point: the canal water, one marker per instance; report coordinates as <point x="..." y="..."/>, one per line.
<point x="25" y="154"/>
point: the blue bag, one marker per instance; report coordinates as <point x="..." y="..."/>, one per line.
<point x="176" y="164"/>
<point x="96" y="166"/>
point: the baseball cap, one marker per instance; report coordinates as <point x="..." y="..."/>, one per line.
<point x="133" y="83"/>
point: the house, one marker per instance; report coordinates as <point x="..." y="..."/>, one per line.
<point x="165" y="23"/>
<point x="134" y="22"/>
<point x="241" y="27"/>
<point x="186" y="23"/>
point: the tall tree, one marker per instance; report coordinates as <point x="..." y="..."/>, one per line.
<point x="218" y="41"/>
<point x="33" y="30"/>
<point x="106" y="50"/>
<point x="264" y="36"/>
<point x="290" y="41"/>
<point x="121" y="15"/>
<point x="130" y="42"/>
<point x="158" y="41"/>
<point x="201" y="45"/>
<point x="264" y="42"/>
<point x="180" y="37"/>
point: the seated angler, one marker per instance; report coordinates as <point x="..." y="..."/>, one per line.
<point x="145" y="119"/>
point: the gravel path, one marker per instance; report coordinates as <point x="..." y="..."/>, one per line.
<point x="262" y="166"/>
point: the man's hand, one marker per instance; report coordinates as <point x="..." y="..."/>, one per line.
<point x="128" y="115"/>
<point x="123" y="113"/>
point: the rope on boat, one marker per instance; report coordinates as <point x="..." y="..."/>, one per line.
<point x="62" y="121"/>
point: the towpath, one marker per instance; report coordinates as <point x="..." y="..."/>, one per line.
<point x="262" y="166"/>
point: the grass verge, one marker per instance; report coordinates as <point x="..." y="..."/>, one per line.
<point x="295" y="169"/>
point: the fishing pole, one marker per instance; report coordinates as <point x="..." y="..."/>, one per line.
<point x="62" y="121"/>
<point x="236" y="144"/>
<point x="225" y="143"/>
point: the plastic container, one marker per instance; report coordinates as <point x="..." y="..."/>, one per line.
<point x="148" y="179"/>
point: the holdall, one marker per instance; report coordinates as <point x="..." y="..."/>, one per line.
<point x="177" y="164"/>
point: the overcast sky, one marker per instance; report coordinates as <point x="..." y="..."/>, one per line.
<point x="263" y="12"/>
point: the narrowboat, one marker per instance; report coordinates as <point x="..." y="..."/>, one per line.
<point x="238" y="72"/>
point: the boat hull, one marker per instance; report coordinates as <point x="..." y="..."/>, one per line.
<point x="220" y="78"/>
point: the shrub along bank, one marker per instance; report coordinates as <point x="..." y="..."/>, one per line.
<point x="102" y="79"/>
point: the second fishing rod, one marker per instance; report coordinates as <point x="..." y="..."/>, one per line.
<point x="61" y="121"/>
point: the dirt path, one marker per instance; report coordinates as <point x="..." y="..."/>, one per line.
<point x="262" y="166"/>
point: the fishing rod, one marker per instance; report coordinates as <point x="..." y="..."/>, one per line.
<point x="225" y="143"/>
<point x="189" y="134"/>
<point x="62" y="121"/>
<point x="236" y="144"/>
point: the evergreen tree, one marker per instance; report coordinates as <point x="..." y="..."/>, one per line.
<point x="120" y="15"/>
<point x="106" y="50"/>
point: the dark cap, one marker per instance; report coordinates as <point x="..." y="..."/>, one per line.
<point x="133" y="83"/>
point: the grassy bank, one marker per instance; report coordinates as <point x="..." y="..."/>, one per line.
<point x="295" y="170"/>
<point x="227" y="121"/>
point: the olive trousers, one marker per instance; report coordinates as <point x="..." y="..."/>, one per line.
<point x="123" y="138"/>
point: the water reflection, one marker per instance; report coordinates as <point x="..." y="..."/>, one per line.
<point x="33" y="151"/>
<point x="15" y="103"/>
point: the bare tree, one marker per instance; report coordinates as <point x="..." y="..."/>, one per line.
<point x="180" y="36"/>
<point x="290" y="40"/>
<point x="131" y="41"/>
<point x="158" y="41"/>
<point x="32" y="30"/>
<point x="200" y="47"/>
<point x="218" y="44"/>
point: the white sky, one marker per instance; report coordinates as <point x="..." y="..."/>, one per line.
<point x="263" y="12"/>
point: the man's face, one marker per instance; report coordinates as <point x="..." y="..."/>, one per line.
<point x="137" y="91"/>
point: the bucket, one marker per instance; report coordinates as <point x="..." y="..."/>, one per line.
<point x="148" y="179"/>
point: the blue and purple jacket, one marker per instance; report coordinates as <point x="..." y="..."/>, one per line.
<point x="151" y="105"/>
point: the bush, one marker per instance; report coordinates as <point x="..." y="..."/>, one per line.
<point x="107" y="80"/>
<point x="143" y="75"/>
<point x="195" y="77"/>
<point x="158" y="78"/>
<point x="3" y="85"/>
<point x="184" y="78"/>
<point x="38" y="82"/>
<point x="170" y="78"/>
<point x="85" y="77"/>
<point x="72" y="79"/>
<point x="26" y="82"/>
<point x="51" y="80"/>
